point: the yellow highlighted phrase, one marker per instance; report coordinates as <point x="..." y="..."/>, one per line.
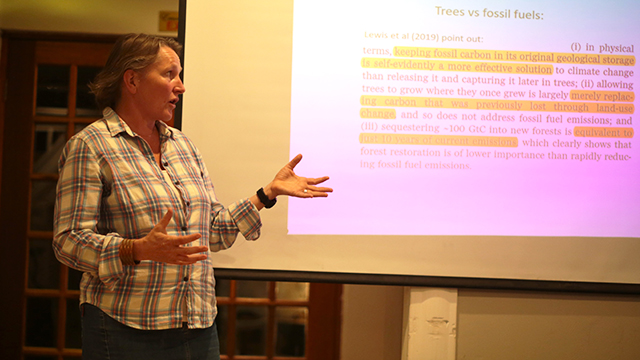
<point x="375" y="113"/>
<point x="486" y="104"/>
<point x="522" y="56"/>
<point x="613" y="96"/>
<point x="603" y="132"/>
<point x="444" y="140"/>
<point x="458" y="66"/>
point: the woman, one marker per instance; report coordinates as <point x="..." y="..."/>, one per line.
<point x="136" y="212"/>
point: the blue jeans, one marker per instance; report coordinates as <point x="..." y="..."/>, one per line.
<point x="104" y="338"/>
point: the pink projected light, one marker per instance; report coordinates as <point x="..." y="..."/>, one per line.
<point x="480" y="121"/>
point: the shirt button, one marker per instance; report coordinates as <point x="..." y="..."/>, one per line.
<point x="184" y="228"/>
<point x="188" y="203"/>
<point x="186" y="278"/>
<point x="177" y="182"/>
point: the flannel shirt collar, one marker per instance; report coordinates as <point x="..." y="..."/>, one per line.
<point x="117" y="126"/>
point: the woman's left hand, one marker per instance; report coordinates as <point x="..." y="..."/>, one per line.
<point x="286" y="182"/>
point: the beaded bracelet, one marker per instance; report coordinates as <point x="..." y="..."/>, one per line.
<point x="126" y="253"/>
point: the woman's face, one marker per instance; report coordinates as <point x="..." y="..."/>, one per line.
<point x="160" y="86"/>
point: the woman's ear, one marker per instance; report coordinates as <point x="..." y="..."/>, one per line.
<point x="131" y="81"/>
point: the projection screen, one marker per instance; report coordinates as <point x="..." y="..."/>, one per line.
<point x="464" y="139"/>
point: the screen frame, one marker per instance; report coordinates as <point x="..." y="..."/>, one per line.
<point x="403" y="280"/>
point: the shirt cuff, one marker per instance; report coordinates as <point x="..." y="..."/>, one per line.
<point x="247" y="218"/>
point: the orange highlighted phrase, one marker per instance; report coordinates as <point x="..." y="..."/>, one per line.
<point x="374" y="113"/>
<point x="486" y="104"/>
<point x="459" y="66"/>
<point x="444" y="140"/>
<point x="523" y="56"/>
<point x="603" y="132"/>
<point x="613" y="96"/>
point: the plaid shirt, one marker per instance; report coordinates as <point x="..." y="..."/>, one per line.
<point x="111" y="188"/>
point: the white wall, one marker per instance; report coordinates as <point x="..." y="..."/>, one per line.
<point x="501" y="325"/>
<point x="492" y="325"/>
<point x="372" y="322"/>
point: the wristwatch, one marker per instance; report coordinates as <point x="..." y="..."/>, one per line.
<point x="264" y="199"/>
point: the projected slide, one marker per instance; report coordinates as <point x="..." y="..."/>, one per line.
<point x="477" y="118"/>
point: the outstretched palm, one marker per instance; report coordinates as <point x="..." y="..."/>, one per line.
<point x="286" y="182"/>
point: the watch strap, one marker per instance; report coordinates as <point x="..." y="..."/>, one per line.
<point x="264" y="199"/>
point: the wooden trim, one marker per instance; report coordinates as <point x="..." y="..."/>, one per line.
<point x="67" y="52"/>
<point x="53" y="293"/>
<point x="271" y="321"/>
<point x="3" y="87"/>
<point x="58" y="36"/>
<point x="65" y="119"/>
<point x="19" y="55"/>
<point x="73" y="88"/>
<point x="182" y="21"/>
<point x="231" y="320"/>
<point x="44" y="177"/>
<point x="430" y="281"/>
<point x="325" y="311"/>
<point x="42" y="351"/>
<point x="260" y="302"/>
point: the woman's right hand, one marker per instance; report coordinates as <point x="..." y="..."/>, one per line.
<point x="161" y="247"/>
